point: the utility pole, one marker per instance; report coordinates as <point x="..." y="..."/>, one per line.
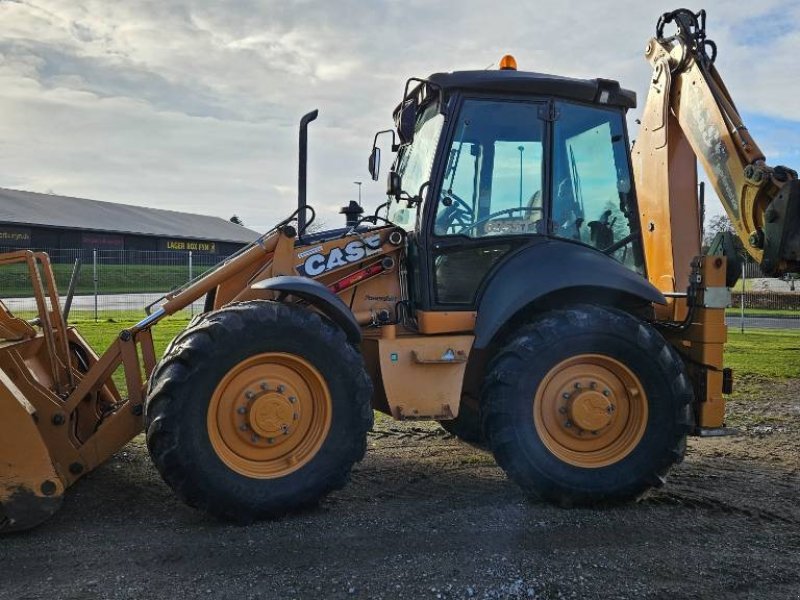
<point x="521" y="150"/>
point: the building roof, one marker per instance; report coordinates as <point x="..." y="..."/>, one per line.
<point x="604" y="91"/>
<point x="49" y="210"/>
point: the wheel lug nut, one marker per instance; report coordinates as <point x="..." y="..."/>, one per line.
<point x="577" y="385"/>
<point x="249" y="395"/>
<point x="568" y="424"/>
<point x="241" y="410"/>
<point x="270" y="440"/>
<point x="254" y="438"/>
<point x="563" y="410"/>
<point x="292" y="399"/>
<point x="281" y="389"/>
<point x="565" y="396"/>
<point x="244" y="427"/>
<point x="593" y="385"/>
<point x="606" y="392"/>
<point x="295" y="416"/>
<point x="265" y="386"/>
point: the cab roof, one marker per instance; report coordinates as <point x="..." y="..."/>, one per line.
<point x="600" y="91"/>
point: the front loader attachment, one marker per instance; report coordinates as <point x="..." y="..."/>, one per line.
<point x="30" y="488"/>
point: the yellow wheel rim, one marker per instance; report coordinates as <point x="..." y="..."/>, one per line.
<point x="590" y="411"/>
<point x="269" y="415"/>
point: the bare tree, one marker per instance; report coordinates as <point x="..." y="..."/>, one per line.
<point x="714" y="225"/>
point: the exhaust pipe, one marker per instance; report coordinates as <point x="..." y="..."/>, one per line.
<point x="302" y="176"/>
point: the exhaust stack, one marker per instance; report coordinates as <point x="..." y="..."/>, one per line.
<point x="302" y="170"/>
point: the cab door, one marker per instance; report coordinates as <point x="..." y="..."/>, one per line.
<point x="491" y="196"/>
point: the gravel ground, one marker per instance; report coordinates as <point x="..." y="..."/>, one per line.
<point x="426" y="516"/>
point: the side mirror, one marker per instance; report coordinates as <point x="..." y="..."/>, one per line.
<point x="394" y="185"/>
<point x="374" y="164"/>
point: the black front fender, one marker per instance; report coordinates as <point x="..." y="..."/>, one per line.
<point x="542" y="269"/>
<point x="318" y="296"/>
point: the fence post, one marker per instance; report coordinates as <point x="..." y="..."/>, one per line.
<point x="741" y="300"/>
<point x="191" y="306"/>
<point x="94" y="278"/>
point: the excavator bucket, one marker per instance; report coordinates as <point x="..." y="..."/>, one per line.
<point x="30" y="488"/>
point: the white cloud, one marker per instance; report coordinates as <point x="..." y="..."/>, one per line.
<point x="193" y="105"/>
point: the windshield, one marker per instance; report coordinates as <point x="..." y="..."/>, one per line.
<point x="414" y="163"/>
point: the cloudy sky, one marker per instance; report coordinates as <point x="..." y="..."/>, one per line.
<point x="194" y="105"/>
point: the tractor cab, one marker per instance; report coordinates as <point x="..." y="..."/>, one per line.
<point x="489" y="162"/>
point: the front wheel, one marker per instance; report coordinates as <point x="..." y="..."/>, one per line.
<point x="258" y="409"/>
<point x="587" y="405"/>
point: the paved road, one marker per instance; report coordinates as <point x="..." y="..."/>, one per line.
<point x="763" y="323"/>
<point x="105" y="303"/>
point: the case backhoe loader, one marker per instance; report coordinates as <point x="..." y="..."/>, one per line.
<point x="533" y="283"/>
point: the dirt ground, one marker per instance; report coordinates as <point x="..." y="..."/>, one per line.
<point x="426" y="516"/>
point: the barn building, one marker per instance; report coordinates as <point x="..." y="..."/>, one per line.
<point x="50" y="222"/>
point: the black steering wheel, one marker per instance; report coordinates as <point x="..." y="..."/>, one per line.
<point x="457" y="213"/>
<point x="505" y="211"/>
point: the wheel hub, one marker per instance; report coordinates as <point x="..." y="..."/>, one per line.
<point x="272" y="415"/>
<point x="269" y="415"/>
<point x="590" y="410"/>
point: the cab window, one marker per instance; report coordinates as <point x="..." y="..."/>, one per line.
<point x="493" y="178"/>
<point x="414" y="164"/>
<point x="592" y="196"/>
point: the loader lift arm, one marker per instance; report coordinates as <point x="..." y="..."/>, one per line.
<point x="690" y="115"/>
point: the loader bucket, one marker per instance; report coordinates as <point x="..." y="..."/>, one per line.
<point x="30" y="488"/>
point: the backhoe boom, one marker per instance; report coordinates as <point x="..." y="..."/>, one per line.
<point x="691" y="116"/>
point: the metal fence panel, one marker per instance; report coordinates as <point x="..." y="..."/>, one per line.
<point x="114" y="284"/>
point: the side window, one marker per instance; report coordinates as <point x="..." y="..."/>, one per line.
<point x="493" y="179"/>
<point x="592" y="200"/>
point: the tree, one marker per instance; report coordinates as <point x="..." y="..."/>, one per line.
<point x="235" y="219"/>
<point x="714" y="225"/>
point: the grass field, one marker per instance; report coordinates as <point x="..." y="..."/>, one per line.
<point x="101" y="334"/>
<point x="111" y="279"/>
<point x="765" y="352"/>
<point x="760" y="352"/>
<point x="763" y="312"/>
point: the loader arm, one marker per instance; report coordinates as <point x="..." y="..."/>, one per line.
<point x="690" y="116"/>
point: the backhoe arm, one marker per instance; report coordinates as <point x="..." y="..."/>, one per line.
<point x="691" y="116"/>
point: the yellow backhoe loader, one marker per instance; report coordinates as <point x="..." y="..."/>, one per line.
<point x="533" y="284"/>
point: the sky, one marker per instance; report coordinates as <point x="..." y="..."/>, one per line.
<point x="193" y="106"/>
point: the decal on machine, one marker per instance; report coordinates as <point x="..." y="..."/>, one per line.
<point x="317" y="262"/>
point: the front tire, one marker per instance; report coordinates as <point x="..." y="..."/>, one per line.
<point x="587" y="405"/>
<point x="258" y="409"/>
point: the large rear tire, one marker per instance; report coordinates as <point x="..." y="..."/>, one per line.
<point x="587" y="405"/>
<point x="258" y="409"/>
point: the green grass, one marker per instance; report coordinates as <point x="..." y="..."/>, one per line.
<point x="764" y="352"/>
<point x="100" y="335"/>
<point x="111" y="279"/>
<point x="763" y="312"/>
<point x="760" y="352"/>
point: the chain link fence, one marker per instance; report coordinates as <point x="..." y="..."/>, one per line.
<point x="112" y="284"/>
<point x="759" y="301"/>
<point x="118" y="284"/>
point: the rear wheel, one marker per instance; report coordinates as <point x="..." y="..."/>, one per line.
<point x="587" y="405"/>
<point x="258" y="409"/>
